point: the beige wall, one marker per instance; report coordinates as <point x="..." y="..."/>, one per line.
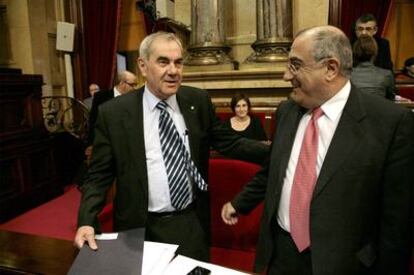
<point x="20" y="37"/>
<point x="308" y="14"/>
<point x="32" y="30"/>
<point x="241" y="21"/>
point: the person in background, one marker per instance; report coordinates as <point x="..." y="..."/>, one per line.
<point x="155" y="141"/>
<point x="366" y="24"/>
<point x="126" y="82"/>
<point x="407" y="73"/>
<point x="93" y="88"/>
<point x="365" y="75"/>
<point x="242" y="123"/>
<point x="338" y="186"/>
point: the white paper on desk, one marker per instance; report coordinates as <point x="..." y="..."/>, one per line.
<point x="157" y="256"/>
<point x="181" y="265"/>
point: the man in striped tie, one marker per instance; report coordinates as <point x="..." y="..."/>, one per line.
<point x="338" y="186"/>
<point x="155" y="141"/>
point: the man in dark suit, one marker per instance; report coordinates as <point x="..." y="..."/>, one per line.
<point x="128" y="146"/>
<point x="126" y="82"/>
<point x="366" y="24"/>
<point x="337" y="190"/>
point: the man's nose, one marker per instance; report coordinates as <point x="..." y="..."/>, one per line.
<point x="287" y="76"/>
<point x="172" y="69"/>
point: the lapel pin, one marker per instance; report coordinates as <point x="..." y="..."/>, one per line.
<point x="192" y="108"/>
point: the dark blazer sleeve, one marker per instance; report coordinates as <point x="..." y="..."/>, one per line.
<point x="383" y="59"/>
<point x="395" y="243"/>
<point x="390" y="91"/>
<point x="99" y="98"/>
<point x="257" y="129"/>
<point x="100" y="175"/>
<point x="233" y="145"/>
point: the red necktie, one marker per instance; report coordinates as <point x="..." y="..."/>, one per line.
<point x="304" y="183"/>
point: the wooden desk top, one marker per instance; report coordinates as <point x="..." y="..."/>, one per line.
<point x="29" y="254"/>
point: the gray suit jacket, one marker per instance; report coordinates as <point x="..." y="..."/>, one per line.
<point x="360" y="211"/>
<point x="119" y="152"/>
<point x="371" y="79"/>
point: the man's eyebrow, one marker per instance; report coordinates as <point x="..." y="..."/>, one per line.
<point x="164" y="58"/>
<point x="295" y="59"/>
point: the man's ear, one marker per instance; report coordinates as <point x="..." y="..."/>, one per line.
<point x="332" y="65"/>
<point x="142" y="66"/>
<point x="375" y="30"/>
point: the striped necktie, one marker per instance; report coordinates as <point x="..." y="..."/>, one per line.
<point x="177" y="161"/>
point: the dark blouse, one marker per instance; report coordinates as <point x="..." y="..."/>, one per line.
<point x="253" y="131"/>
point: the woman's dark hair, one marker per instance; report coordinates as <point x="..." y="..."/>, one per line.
<point x="364" y="49"/>
<point x="409" y="62"/>
<point x="236" y="98"/>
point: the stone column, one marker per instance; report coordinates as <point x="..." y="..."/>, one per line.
<point x="207" y="42"/>
<point x="274" y="31"/>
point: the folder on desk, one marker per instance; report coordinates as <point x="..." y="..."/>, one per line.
<point x="122" y="255"/>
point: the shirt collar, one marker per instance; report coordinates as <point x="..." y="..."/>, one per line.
<point x="334" y="106"/>
<point x="116" y="92"/>
<point x="152" y="100"/>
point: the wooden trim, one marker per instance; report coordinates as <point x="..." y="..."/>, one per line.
<point x="335" y="13"/>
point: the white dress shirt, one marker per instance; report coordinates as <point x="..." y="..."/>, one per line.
<point x="158" y="190"/>
<point x="327" y="124"/>
<point x="116" y="92"/>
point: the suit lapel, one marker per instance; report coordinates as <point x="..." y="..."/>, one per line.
<point x="345" y="140"/>
<point x="133" y="123"/>
<point x="188" y="110"/>
<point x="282" y="145"/>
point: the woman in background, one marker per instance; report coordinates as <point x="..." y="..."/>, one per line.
<point x="365" y="75"/>
<point x="242" y="123"/>
<point x="407" y="72"/>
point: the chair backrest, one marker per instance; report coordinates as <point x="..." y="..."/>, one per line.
<point x="226" y="178"/>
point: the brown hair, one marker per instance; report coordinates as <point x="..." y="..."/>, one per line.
<point x="236" y="98"/>
<point x="365" y="49"/>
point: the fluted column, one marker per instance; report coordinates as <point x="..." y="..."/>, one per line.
<point x="207" y="42"/>
<point x="274" y="31"/>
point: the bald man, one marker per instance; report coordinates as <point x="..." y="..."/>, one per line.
<point x="337" y="189"/>
<point x="126" y="82"/>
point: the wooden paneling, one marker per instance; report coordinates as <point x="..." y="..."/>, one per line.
<point x="27" y="167"/>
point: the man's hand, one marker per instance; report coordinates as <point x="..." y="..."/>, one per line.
<point x="229" y="214"/>
<point x="85" y="233"/>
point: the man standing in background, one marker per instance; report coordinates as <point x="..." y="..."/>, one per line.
<point x="93" y="88"/>
<point x="367" y="25"/>
<point x="126" y="82"/>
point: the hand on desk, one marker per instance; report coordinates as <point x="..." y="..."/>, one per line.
<point x="85" y="233"/>
<point x="229" y="214"/>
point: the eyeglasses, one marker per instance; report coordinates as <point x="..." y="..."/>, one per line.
<point x="368" y="29"/>
<point x="294" y="66"/>
<point x="133" y="84"/>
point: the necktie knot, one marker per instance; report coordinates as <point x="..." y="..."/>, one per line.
<point x="162" y="105"/>
<point x="317" y="113"/>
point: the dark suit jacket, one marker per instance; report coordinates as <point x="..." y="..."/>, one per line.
<point x="373" y="79"/>
<point x="361" y="204"/>
<point x="119" y="152"/>
<point x="98" y="99"/>
<point x="383" y="59"/>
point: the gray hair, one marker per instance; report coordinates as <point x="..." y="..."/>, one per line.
<point x="331" y="42"/>
<point x="145" y="47"/>
<point x="122" y="76"/>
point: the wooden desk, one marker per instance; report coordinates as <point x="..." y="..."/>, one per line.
<point x="29" y="254"/>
